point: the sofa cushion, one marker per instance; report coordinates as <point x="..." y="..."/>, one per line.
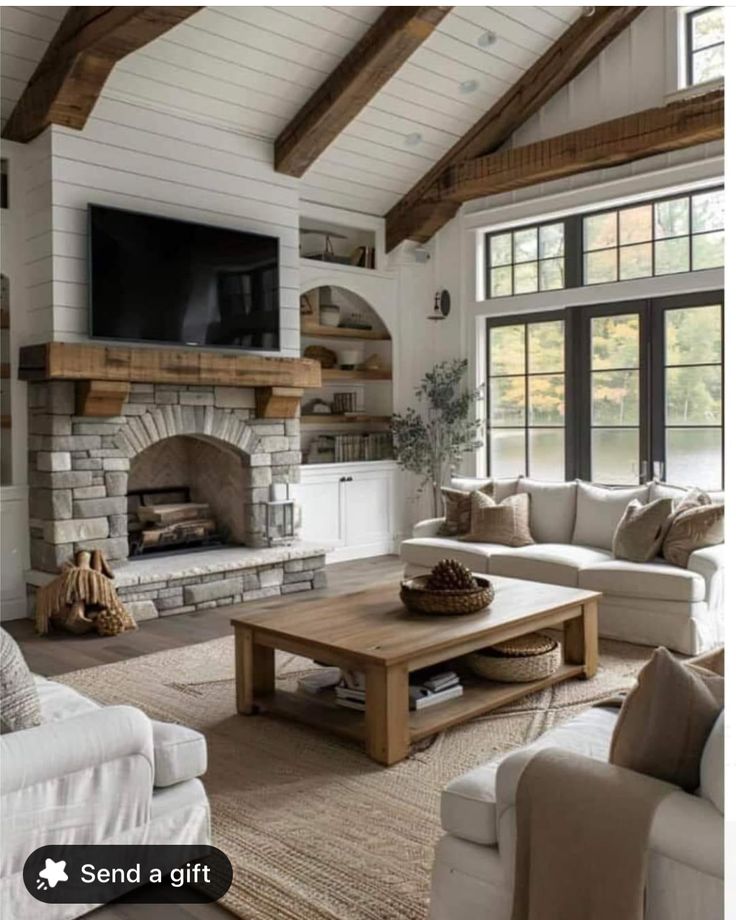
<point x="457" y="509"/>
<point x="428" y="551"/>
<point x="502" y="488"/>
<point x="599" y="510"/>
<point x="677" y="493"/>
<point x="639" y="534"/>
<point x="506" y="522"/>
<point x="468" y="805"/>
<point x="712" y="766"/>
<point x="655" y="579"/>
<point x="19" y="704"/>
<point x="554" y="563"/>
<point x="665" y="722"/>
<point x="59" y="702"/>
<point x="552" y="512"/>
<point x="179" y="753"/>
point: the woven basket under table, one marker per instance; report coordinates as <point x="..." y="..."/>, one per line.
<point x="518" y="660"/>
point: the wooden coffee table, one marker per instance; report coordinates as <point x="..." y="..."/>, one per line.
<point x="371" y="631"/>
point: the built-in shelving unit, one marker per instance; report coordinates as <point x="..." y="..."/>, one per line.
<point x="365" y="421"/>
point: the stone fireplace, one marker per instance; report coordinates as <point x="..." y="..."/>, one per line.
<point x="83" y="470"/>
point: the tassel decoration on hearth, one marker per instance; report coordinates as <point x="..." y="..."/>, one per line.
<point x="83" y="597"/>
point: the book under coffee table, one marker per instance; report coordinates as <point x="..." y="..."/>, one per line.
<point x="371" y="631"/>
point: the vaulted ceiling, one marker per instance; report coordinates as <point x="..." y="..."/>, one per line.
<point x="252" y="69"/>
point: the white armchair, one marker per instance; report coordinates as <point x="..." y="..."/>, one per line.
<point x="93" y="774"/>
<point x="473" y="873"/>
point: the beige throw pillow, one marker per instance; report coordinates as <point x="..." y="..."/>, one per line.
<point x="506" y="523"/>
<point x="666" y="720"/>
<point x="694" y="524"/>
<point x="20" y="706"/>
<point x="457" y="510"/>
<point x="639" y="534"/>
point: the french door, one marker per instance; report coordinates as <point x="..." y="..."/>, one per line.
<point x="647" y="386"/>
<point x="615" y="393"/>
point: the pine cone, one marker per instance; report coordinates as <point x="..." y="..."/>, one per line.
<point x="450" y="575"/>
<point x="109" y="623"/>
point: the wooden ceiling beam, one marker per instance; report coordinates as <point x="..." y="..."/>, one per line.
<point x="692" y="121"/>
<point x="390" y="41"/>
<point x="564" y="60"/>
<point x="88" y="43"/>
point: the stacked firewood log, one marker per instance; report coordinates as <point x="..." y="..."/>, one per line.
<point x="184" y="522"/>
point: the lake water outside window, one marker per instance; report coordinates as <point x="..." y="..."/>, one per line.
<point x="694" y="395"/>
<point x="526" y="399"/>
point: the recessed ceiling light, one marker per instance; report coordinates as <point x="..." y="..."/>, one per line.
<point x="411" y="140"/>
<point x="468" y="86"/>
<point x="486" y="39"/>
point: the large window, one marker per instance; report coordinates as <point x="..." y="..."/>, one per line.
<point x="526" y="398"/>
<point x="680" y="233"/>
<point x="615" y="393"/>
<point x="705" y="49"/>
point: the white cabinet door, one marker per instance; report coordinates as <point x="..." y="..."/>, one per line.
<point x="368" y="508"/>
<point x="321" y="505"/>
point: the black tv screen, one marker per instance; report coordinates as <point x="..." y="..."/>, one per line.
<point x="161" y="280"/>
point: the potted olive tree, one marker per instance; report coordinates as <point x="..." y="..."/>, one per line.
<point x="430" y="440"/>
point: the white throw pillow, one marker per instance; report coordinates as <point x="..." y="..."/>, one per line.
<point x="502" y="488"/>
<point x="677" y="493"/>
<point x="599" y="510"/>
<point x="552" y="515"/>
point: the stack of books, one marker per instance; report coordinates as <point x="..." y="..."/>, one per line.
<point x="426" y="689"/>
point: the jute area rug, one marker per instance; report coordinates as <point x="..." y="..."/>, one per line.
<point x="314" y="829"/>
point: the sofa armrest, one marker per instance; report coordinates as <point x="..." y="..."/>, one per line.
<point x="54" y="750"/>
<point x="427" y="528"/>
<point x="685" y="828"/>
<point x="709" y="562"/>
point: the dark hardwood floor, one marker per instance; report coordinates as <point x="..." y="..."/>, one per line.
<point x="59" y="653"/>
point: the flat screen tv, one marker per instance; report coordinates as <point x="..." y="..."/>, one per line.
<point x="160" y="280"/>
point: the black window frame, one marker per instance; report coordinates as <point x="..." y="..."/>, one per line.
<point x="526" y="320"/>
<point x="574" y="252"/>
<point x="577" y="372"/>
<point x="536" y="225"/>
<point x="690" y="50"/>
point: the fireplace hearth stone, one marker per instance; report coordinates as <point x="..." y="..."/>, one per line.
<point x="155" y="586"/>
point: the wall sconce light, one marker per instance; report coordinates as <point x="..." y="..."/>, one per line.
<point x="441" y="306"/>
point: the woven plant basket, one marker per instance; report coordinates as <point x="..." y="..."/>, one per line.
<point x="416" y="596"/>
<point x="522" y="659"/>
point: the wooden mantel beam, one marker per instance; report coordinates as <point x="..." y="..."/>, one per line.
<point x="88" y="43"/>
<point x="696" y="120"/>
<point x="389" y="42"/>
<point x="564" y="60"/>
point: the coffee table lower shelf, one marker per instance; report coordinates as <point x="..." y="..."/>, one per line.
<point x="479" y="697"/>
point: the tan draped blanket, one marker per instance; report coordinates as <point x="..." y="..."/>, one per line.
<point x="587" y="822"/>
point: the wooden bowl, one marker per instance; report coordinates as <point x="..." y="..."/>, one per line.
<point x="416" y="596"/>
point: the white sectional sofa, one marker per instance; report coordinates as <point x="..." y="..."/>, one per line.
<point x="573" y="523"/>
<point x="473" y="872"/>
<point x="94" y="774"/>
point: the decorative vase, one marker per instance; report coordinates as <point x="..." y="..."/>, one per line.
<point x="329" y="315"/>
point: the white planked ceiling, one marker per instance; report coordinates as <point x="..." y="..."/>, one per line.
<point x="250" y="69"/>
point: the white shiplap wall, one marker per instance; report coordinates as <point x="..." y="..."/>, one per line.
<point x="129" y="156"/>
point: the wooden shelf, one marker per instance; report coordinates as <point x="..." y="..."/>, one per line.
<point x="479" y="697"/>
<point x="336" y="373"/>
<point x="339" y="332"/>
<point x="324" y="419"/>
